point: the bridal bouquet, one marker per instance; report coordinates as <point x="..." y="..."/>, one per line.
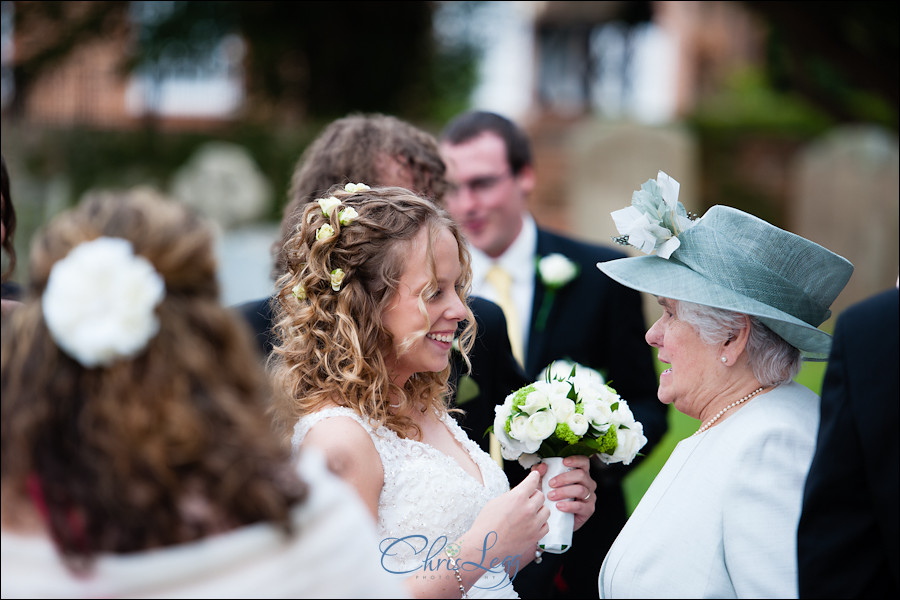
<point x="569" y="411"/>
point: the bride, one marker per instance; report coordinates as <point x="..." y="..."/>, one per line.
<point x="368" y="313"/>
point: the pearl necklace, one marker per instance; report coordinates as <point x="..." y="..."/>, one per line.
<point x="724" y="410"/>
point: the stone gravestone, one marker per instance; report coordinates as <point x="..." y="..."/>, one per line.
<point x="846" y="198"/>
<point x="222" y="181"/>
<point x="609" y="161"/>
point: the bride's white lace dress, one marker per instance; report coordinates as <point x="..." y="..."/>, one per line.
<point x="428" y="500"/>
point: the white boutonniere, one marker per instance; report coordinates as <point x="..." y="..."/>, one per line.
<point x="554" y="271"/>
<point x="655" y="218"/>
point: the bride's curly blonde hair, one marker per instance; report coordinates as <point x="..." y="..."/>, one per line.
<point x="331" y="344"/>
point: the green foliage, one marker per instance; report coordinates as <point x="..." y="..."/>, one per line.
<point x="840" y="56"/>
<point x="325" y="59"/>
<point x="90" y="159"/>
<point x="748" y="103"/>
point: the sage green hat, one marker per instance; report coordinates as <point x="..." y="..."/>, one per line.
<point x="732" y="260"/>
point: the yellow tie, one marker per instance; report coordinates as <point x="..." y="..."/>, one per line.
<point x="501" y="281"/>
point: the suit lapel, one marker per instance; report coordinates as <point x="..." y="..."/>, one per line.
<point x="536" y="339"/>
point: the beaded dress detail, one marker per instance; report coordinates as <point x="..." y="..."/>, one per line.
<point x="427" y="498"/>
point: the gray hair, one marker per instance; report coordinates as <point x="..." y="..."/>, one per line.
<point x="773" y="360"/>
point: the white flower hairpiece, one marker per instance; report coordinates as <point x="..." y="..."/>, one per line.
<point x="100" y="302"/>
<point x="655" y="218"/>
<point x="354" y="188"/>
<point x="299" y="292"/>
<point x="347" y="216"/>
<point x="324" y="232"/>
<point x="328" y="204"/>
<point x="337" y="277"/>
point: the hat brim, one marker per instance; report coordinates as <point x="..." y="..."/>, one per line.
<point x="668" y="279"/>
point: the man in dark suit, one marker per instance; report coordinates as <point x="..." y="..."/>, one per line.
<point x="847" y="540"/>
<point x="494" y="373"/>
<point x="563" y="309"/>
<point x="383" y="150"/>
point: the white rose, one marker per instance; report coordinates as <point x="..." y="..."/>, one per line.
<point x="563" y="408"/>
<point x="623" y="415"/>
<point x="324" y="232"/>
<point x="538" y="428"/>
<point x="558" y="389"/>
<point x="517" y="427"/>
<point x="578" y="423"/>
<point x="558" y="369"/>
<point x="510" y="448"/>
<point x="598" y="413"/>
<point x="630" y="441"/>
<point x="587" y="378"/>
<point x="608" y="396"/>
<point x="536" y="400"/>
<point x="556" y="270"/>
<point x="347" y="216"/>
<point x="328" y="204"/>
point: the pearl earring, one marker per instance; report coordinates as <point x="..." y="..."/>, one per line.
<point x="724" y="359"/>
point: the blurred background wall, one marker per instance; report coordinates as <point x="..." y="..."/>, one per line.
<point x="784" y="109"/>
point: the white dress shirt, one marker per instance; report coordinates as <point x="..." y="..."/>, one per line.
<point x="518" y="261"/>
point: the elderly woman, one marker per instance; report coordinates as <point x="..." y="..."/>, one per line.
<point x="742" y="301"/>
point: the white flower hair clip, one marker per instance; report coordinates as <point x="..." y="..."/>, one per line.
<point x="347" y="216"/>
<point x="324" y="232"/>
<point x="655" y="218"/>
<point x="328" y="204"/>
<point x="337" y="278"/>
<point x="354" y="188"/>
<point x="100" y="302"/>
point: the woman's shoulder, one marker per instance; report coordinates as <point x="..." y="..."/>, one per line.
<point x="335" y="419"/>
<point x="783" y="421"/>
<point x="333" y="533"/>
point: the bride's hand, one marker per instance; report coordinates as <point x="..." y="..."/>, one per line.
<point x="515" y="521"/>
<point x="573" y="490"/>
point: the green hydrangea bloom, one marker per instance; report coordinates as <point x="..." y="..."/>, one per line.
<point x="564" y="433"/>
<point x="609" y="441"/>
<point x="521" y="395"/>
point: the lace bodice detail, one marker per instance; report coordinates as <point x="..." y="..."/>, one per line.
<point x="426" y="492"/>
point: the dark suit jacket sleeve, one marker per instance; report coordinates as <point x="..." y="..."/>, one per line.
<point x="494" y="370"/>
<point x="847" y="540"/>
<point x="259" y="316"/>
